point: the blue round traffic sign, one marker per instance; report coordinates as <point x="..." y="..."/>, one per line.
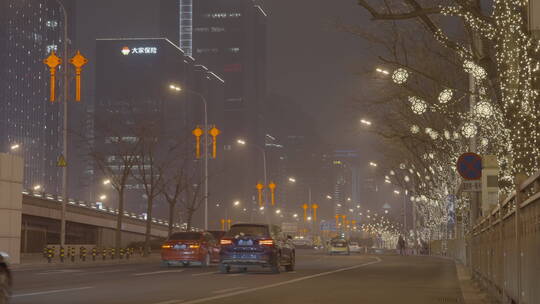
<point x="469" y="166"/>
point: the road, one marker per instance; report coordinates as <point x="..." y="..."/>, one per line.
<point x="318" y="278"/>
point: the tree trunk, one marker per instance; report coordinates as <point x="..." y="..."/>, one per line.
<point x="171" y="218"/>
<point x="189" y="219"/>
<point x="147" y="248"/>
<point x="119" y="218"/>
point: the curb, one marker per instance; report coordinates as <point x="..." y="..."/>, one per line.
<point x="87" y="264"/>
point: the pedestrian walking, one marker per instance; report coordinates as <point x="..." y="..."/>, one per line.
<point x="401" y="245"/>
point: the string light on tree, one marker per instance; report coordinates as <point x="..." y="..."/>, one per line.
<point x="415" y="129"/>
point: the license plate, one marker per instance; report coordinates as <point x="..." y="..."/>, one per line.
<point x="245" y="256"/>
<point x="179" y="246"/>
<point x="245" y="243"/>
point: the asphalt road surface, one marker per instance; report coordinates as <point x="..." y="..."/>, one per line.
<point x="318" y="278"/>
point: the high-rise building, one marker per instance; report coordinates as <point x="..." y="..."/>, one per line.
<point x="29" y="32"/>
<point x="132" y="88"/>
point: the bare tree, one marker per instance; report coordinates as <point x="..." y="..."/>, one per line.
<point x="115" y="156"/>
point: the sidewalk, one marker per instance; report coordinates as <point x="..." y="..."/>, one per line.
<point x="36" y="261"/>
<point x="472" y="293"/>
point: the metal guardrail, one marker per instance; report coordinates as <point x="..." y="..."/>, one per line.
<point x="506" y="259"/>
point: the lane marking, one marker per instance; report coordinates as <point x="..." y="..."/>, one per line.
<point x="157" y="272"/>
<point x="50" y="291"/>
<point x="59" y="271"/>
<point x="239" y="292"/>
<point x="170" y="302"/>
<point x="236" y="274"/>
<point x="204" y="273"/>
<point x="227" y="290"/>
<point x="104" y="271"/>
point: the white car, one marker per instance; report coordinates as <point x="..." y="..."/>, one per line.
<point x="300" y="241"/>
<point x="355" y="247"/>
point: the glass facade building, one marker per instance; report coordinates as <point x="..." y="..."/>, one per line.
<point x="29" y="31"/>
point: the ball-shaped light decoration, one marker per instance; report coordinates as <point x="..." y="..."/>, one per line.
<point x="483" y="109"/>
<point x="469" y="130"/>
<point x="402" y="166"/>
<point x="400" y="76"/>
<point x="484" y="142"/>
<point x="432" y="155"/>
<point x="415" y="129"/>
<point x="406" y="178"/>
<point x="456" y="135"/>
<point x="392" y="172"/>
<point x="446" y="95"/>
<point x="418" y="106"/>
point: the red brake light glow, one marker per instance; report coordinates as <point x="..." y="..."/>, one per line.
<point x="225" y="242"/>
<point x="266" y="242"/>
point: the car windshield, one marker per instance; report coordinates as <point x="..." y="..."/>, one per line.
<point x="188" y="236"/>
<point x="248" y="230"/>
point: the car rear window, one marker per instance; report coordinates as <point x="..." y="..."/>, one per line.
<point x="185" y="236"/>
<point x="248" y="230"/>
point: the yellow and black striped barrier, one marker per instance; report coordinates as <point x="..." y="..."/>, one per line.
<point x="62" y="254"/>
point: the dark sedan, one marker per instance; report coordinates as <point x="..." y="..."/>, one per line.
<point x="247" y="245"/>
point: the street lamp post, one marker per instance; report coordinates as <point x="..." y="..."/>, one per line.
<point x="263" y="152"/>
<point x="65" y="122"/>
<point x="205" y="148"/>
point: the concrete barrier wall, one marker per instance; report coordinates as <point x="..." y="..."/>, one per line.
<point x="11" y="177"/>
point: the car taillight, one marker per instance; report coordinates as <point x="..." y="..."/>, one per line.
<point x="266" y="242"/>
<point x="166" y="246"/>
<point x="194" y="246"/>
<point x="225" y="242"/>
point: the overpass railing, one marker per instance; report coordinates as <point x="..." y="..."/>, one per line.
<point x="95" y="206"/>
<point x="505" y="246"/>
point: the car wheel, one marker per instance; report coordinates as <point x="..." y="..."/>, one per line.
<point x="185" y="264"/>
<point x="165" y="264"/>
<point x="276" y="265"/>
<point x="4" y="286"/>
<point x="224" y="268"/>
<point x="290" y="267"/>
<point x="206" y="261"/>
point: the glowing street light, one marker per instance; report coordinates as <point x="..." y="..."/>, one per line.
<point x="329" y="197"/>
<point x="37" y="187"/>
<point x="292" y="179"/>
<point x="236" y="203"/>
<point x="15" y="147"/>
<point x="365" y="122"/>
<point x="261" y="208"/>
<point x="373" y="164"/>
<point x="175" y="88"/>
<point x="382" y="71"/>
<point x="397" y="192"/>
<point x="295" y="215"/>
<point x="309" y="218"/>
<point x="107" y="182"/>
<point x="103" y="197"/>
<point x="278" y="211"/>
<point x="241" y="142"/>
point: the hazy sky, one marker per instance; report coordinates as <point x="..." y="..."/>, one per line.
<point x="314" y="63"/>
